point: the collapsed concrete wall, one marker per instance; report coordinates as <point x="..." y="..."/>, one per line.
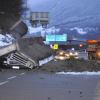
<point x="34" y="48"/>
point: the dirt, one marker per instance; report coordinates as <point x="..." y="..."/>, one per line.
<point x="34" y="48"/>
<point x="70" y="65"/>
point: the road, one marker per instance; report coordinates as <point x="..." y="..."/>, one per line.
<point x="29" y="85"/>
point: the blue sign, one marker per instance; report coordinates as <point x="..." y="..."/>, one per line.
<point x="50" y="38"/>
<point x="56" y="38"/>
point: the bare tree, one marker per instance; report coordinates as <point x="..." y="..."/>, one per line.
<point x="10" y="13"/>
<point x="11" y="7"/>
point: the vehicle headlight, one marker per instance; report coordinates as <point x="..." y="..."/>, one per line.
<point x="61" y="53"/>
<point x="61" y="58"/>
<point x="70" y="53"/>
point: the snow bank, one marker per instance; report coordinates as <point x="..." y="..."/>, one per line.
<point x="5" y="40"/>
<point x="79" y="73"/>
<point x="46" y="60"/>
<point x="79" y="30"/>
<point x="42" y="30"/>
<point x="35" y="30"/>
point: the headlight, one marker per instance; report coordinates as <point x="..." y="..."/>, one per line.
<point x="70" y="53"/>
<point x="61" y="53"/>
<point x="61" y="58"/>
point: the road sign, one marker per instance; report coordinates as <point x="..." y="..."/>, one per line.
<point x="55" y="47"/>
<point x="56" y="38"/>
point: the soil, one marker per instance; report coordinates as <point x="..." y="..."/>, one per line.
<point x="70" y="65"/>
<point x="34" y="48"/>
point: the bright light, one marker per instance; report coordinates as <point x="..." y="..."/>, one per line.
<point x="71" y="53"/>
<point x="56" y="38"/>
<point x="62" y="58"/>
<point x="73" y="49"/>
<point x="98" y="54"/>
<point x="81" y="45"/>
<point x="92" y="41"/>
<point x="61" y="53"/>
<point x="15" y="67"/>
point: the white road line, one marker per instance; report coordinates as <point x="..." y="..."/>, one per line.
<point x="22" y="74"/>
<point x="11" y="77"/>
<point x="2" y="83"/>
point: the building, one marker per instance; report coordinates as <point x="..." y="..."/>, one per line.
<point x="39" y="18"/>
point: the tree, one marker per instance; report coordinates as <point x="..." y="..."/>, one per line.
<point x="11" y="7"/>
<point x="10" y="13"/>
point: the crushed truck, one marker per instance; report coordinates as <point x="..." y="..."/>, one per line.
<point x="93" y="50"/>
<point x="26" y="53"/>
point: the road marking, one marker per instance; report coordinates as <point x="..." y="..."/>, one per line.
<point x="2" y="83"/>
<point x="22" y="74"/>
<point x="11" y="77"/>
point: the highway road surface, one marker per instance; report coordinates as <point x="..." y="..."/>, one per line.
<point x="29" y="85"/>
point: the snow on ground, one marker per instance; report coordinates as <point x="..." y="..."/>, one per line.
<point x="5" y="40"/>
<point x="35" y="30"/>
<point x="79" y="30"/>
<point x="3" y="44"/>
<point x="79" y="73"/>
<point x="42" y="30"/>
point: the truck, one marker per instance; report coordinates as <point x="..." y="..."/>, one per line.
<point x="93" y="49"/>
<point x="26" y="53"/>
<point x="11" y="55"/>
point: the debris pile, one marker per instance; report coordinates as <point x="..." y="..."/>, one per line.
<point x="34" y="48"/>
<point x="70" y="65"/>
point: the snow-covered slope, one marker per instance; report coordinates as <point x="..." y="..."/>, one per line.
<point x="40" y="31"/>
<point x="86" y="73"/>
<point x="5" y="40"/>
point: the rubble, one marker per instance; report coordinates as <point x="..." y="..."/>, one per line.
<point x="26" y="52"/>
<point x="70" y="66"/>
<point x="34" y="48"/>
